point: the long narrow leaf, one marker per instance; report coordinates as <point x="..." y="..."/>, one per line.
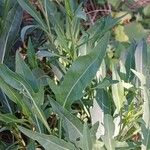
<point x="14" y="96"/>
<point x="47" y="141"/>
<point x="12" y="27"/>
<point x="25" y="4"/>
<point x="109" y="132"/>
<point x="141" y="67"/>
<point x="81" y="73"/>
<point x="72" y="124"/>
<point x="17" y="82"/>
<point x="117" y="89"/>
<point x="86" y="140"/>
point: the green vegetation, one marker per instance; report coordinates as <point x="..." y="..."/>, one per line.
<point x="74" y="75"/>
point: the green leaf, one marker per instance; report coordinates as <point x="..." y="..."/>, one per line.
<point x="31" y="55"/>
<point x="81" y="73"/>
<point x="13" y="22"/>
<point x="126" y="15"/>
<point x="25" y="72"/>
<point x="25" y="4"/>
<point x="120" y="34"/>
<point x="47" y="141"/>
<point x="109" y="132"/>
<point x="146" y="10"/>
<point x="93" y="131"/>
<point x="68" y="8"/>
<point x="86" y="140"/>
<point x="13" y="79"/>
<point x="95" y="32"/>
<point x="141" y="57"/>
<point x="126" y="145"/>
<point x="8" y="118"/>
<point x="141" y="67"/>
<point x="145" y="126"/>
<point x="97" y="115"/>
<point x="130" y="62"/>
<point x="14" y="96"/>
<point x="106" y="82"/>
<point x="25" y="29"/>
<point x="117" y="89"/>
<point x="141" y="77"/>
<point x="72" y="124"/>
<point x="55" y="19"/>
<point x="98" y="145"/>
<point x="101" y="106"/>
<point x="80" y="13"/>
<point x="114" y="3"/>
<point x="19" y="83"/>
<point x="44" y="53"/>
<point x="135" y="31"/>
<point x="52" y="85"/>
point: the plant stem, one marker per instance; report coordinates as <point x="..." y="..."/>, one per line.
<point x="19" y="138"/>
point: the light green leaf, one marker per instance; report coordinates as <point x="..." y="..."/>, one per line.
<point x="120" y="34"/>
<point x="141" y="77"/>
<point x="101" y="106"/>
<point x="68" y="8"/>
<point x="141" y="66"/>
<point x="98" y="145"/>
<point x="109" y="132"/>
<point x="117" y="89"/>
<point x="146" y="10"/>
<point x="145" y="126"/>
<point x="141" y="57"/>
<point x="126" y="15"/>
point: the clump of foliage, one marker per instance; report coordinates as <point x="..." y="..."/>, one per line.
<point x="79" y="80"/>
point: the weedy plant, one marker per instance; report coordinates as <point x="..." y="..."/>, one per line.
<point x="81" y="88"/>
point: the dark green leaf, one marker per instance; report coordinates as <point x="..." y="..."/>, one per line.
<point x="81" y="73"/>
<point x="47" y="141"/>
